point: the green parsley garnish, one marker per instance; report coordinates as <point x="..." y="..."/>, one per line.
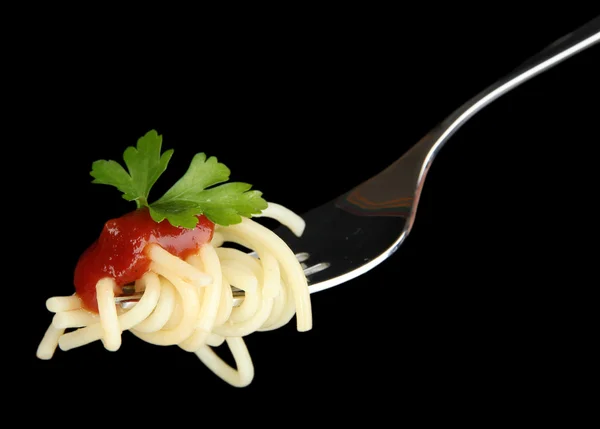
<point x="194" y="194"/>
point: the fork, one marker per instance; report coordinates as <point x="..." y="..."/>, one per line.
<point x="358" y="230"/>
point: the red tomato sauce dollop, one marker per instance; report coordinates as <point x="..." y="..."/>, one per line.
<point x="120" y="250"/>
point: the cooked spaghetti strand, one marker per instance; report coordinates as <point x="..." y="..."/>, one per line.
<point x="107" y="310"/>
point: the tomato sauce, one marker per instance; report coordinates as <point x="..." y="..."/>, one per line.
<point x="120" y="251"/>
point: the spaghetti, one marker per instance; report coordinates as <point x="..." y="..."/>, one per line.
<point x="189" y="301"/>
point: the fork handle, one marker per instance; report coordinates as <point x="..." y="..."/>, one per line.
<point x="396" y="190"/>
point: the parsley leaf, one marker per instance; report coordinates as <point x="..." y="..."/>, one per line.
<point x="224" y="204"/>
<point x="194" y="194"/>
<point x="145" y="165"/>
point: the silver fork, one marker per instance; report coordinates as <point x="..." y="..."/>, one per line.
<point x="358" y="230"/>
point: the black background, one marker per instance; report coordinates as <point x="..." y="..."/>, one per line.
<point x="472" y="311"/>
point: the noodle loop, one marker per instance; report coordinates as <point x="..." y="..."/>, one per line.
<point x="190" y="303"/>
